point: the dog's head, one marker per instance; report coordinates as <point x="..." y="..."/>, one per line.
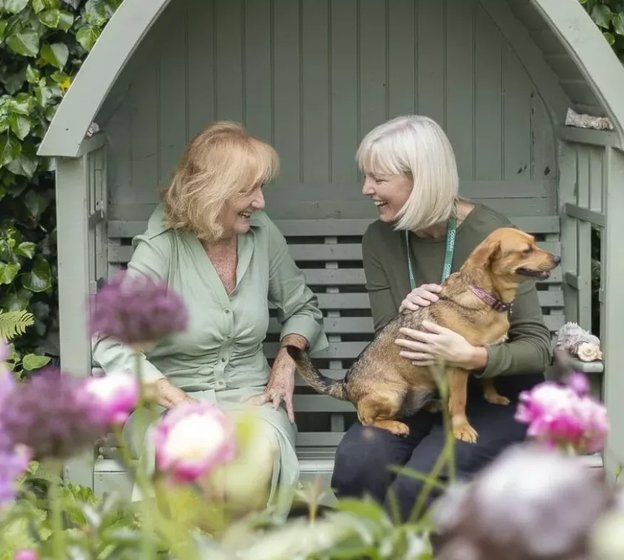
<point x="513" y="254"/>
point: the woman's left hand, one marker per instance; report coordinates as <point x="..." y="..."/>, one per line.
<point x="435" y="343"/>
<point x="281" y="385"/>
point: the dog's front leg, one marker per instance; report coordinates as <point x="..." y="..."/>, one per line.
<point x="458" y="388"/>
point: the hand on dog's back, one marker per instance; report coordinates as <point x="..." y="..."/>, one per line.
<point x="424" y="295"/>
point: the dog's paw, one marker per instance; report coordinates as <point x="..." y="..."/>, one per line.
<point x="465" y="432"/>
<point x="397" y="428"/>
<point x="497" y="399"/>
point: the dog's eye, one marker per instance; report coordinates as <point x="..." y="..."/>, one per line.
<point x="527" y="252"/>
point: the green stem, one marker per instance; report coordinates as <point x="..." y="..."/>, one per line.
<point x="56" y="512"/>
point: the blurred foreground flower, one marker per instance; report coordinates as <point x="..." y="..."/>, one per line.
<point x="563" y="416"/>
<point x="13" y="463"/>
<point x="137" y="310"/>
<point x="115" y="396"/>
<point x="530" y="504"/>
<point x="52" y="414"/>
<point x="192" y="440"/>
<point x="26" y="554"/>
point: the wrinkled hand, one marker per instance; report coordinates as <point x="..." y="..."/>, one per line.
<point x="435" y="343"/>
<point x="281" y="385"/>
<point x="424" y="295"/>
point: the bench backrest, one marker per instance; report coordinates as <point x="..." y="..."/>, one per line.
<point x="329" y="253"/>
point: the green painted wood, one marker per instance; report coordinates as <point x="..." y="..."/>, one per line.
<point x="402" y="45"/>
<point x="613" y="330"/>
<point x="230" y="64"/>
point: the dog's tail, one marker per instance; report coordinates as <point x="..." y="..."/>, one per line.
<point x="314" y="378"/>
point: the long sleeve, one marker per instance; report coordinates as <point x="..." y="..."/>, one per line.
<point x="297" y="306"/>
<point x="528" y="347"/>
<point x="383" y="307"/>
<point x="150" y="258"/>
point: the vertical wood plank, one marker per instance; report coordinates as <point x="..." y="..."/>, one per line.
<point x="460" y="85"/>
<point x="432" y="60"/>
<point x="315" y="91"/>
<point x="201" y="89"/>
<point x="401" y="58"/>
<point x="488" y="144"/>
<point x="258" y="93"/>
<point x="287" y="89"/>
<point x="172" y="102"/>
<point x="344" y="91"/>
<point x="373" y="64"/>
<point x="230" y="61"/>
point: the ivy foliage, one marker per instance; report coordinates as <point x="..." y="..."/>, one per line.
<point x="608" y="15"/>
<point x="42" y="44"/>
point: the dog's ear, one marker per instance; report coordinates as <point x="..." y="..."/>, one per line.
<point x="483" y="255"/>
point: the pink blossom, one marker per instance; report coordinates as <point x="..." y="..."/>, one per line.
<point x="192" y="440"/>
<point x="560" y="416"/>
<point x="26" y="554"/>
<point x="115" y="396"/>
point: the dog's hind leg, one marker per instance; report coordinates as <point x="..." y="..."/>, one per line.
<point x="380" y="410"/>
<point x="491" y="395"/>
<point x="458" y="385"/>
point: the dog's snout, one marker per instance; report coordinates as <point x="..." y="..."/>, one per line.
<point x="556" y="259"/>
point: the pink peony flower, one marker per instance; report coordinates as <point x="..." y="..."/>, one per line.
<point x="192" y="440"/>
<point x="26" y="554"/>
<point x="562" y="416"/>
<point x="115" y="396"/>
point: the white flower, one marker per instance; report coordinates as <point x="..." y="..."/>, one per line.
<point x="588" y="352"/>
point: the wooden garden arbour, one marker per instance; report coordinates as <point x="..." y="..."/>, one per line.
<point x="312" y="77"/>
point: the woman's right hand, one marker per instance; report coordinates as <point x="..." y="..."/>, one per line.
<point x="170" y="396"/>
<point x="424" y="295"/>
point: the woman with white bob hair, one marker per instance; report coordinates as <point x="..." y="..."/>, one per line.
<point x="426" y="231"/>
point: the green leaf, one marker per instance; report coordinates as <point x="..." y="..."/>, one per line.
<point x="21" y="103"/>
<point x="602" y="14"/>
<point x="618" y="23"/>
<point x="16" y="301"/>
<point x="26" y="249"/>
<point x="56" y="54"/>
<point x="20" y="125"/>
<point x="3" y="26"/>
<point x="24" y="43"/>
<point x="87" y="35"/>
<point x="32" y="75"/>
<point x="32" y="361"/>
<point x="10" y="149"/>
<point x="38" y="5"/>
<point x="98" y="12"/>
<point x="610" y="38"/>
<point x="8" y="272"/>
<point x="35" y="203"/>
<point x="15" y="6"/>
<point x="50" y="18"/>
<point x="39" y="279"/>
<point x="23" y="165"/>
<point x="66" y="21"/>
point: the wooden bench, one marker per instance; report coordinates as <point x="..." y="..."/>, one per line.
<point x="329" y="253"/>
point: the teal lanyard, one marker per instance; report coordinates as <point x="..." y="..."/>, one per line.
<point x="451" y="232"/>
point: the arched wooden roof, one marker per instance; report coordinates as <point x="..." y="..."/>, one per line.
<point x="566" y="57"/>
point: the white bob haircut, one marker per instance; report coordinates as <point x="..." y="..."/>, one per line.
<point x="415" y="146"/>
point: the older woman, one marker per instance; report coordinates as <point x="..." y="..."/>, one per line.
<point x="424" y="232"/>
<point x="211" y="242"/>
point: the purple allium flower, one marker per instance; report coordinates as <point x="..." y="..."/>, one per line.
<point x="529" y="504"/>
<point x="13" y="463"/>
<point x="52" y="414"/>
<point x="114" y="395"/>
<point x="137" y="310"/>
<point x="26" y="554"/>
<point x="192" y="440"/>
<point x="558" y="416"/>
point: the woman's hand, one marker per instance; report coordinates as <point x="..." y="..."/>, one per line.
<point x="281" y="385"/>
<point x="170" y="396"/>
<point x="435" y="343"/>
<point x="424" y="295"/>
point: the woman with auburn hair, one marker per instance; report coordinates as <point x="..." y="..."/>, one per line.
<point x="213" y="244"/>
<point x="424" y="232"/>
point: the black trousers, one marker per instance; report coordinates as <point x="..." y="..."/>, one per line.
<point x="365" y="454"/>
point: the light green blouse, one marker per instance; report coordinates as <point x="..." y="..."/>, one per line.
<point x="220" y="356"/>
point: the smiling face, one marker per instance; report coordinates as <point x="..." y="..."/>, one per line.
<point x="388" y="192"/>
<point x="235" y="217"/>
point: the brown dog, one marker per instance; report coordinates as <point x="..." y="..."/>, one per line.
<point x="474" y="302"/>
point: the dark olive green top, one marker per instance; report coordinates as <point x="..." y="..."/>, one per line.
<point x="387" y="280"/>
